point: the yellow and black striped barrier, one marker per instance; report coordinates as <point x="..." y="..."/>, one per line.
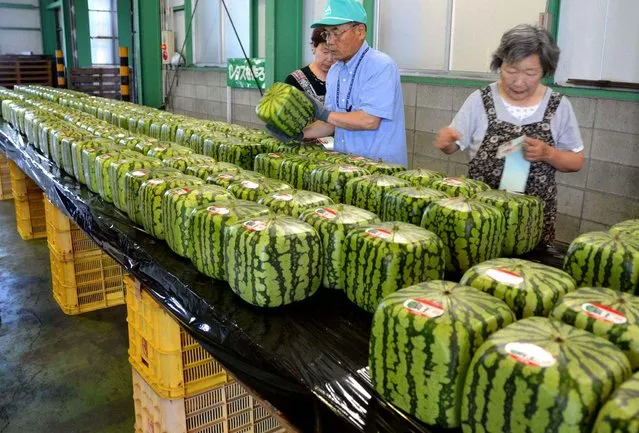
<point x="59" y="64"/>
<point x="124" y="73"/>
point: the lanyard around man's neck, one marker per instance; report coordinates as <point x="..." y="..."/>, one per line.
<point x="350" y="87"/>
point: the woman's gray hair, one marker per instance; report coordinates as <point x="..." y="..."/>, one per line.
<point x="525" y="40"/>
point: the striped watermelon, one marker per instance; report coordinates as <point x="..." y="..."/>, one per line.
<point x="408" y="203"/>
<point x="204" y="170"/>
<point x="177" y="205"/>
<point x="472" y="231"/>
<point x="76" y="155"/>
<point x="539" y="375"/>
<point x="331" y="180"/>
<point x="182" y="162"/>
<point x="459" y="186"/>
<point x="269" y="164"/>
<point x="294" y="202"/>
<point x="380" y="259"/>
<point x="227" y="177"/>
<point x="56" y="150"/>
<point x="367" y="191"/>
<point x="524" y="219"/>
<point x="607" y="313"/>
<point x="164" y="150"/>
<point x="295" y="170"/>
<point x="255" y="188"/>
<point x="629" y="227"/>
<point x="211" y="145"/>
<point x="241" y="154"/>
<point x="150" y="198"/>
<point x="89" y="156"/>
<point x="206" y="227"/>
<point x="112" y="179"/>
<point x="132" y="182"/>
<point x="382" y="167"/>
<point x="198" y="138"/>
<point x="529" y="289"/>
<point x="420" y="177"/>
<point x="333" y="223"/>
<point x="620" y="414"/>
<point x="101" y="166"/>
<point x="422" y="341"/>
<point x="145" y="146"/>
<point x="602" y="259"/>
<point x="286" y="108"/>
<point x="273" y="260"/>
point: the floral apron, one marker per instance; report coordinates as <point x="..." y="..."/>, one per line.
<point x="305" y="83"/>
<point x="541" y="181"/>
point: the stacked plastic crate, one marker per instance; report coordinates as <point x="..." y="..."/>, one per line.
<point x="29" y="202"/>
<point x="177" y="386"/>
<point x="5" y="178"/>
<point x="84" y="278"/>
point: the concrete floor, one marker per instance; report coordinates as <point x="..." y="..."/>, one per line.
<point x="58" y="373"/>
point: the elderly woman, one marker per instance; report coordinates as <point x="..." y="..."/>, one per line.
<point x="518" y="104"/>
<point x="312" y="78"/>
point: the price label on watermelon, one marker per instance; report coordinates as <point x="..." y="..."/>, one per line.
<point x="530" y="354"/>
<point x="140" y="173"/>
<point x="424" y="308"/>
<point x="379" y="233"/>
<point x="274" y="155"/>
<point x="103" y="157"/>
<point x="283" y="197"/>
<point x="505" y="277"/>
<point x="254" y="225"/>
<point x="452" y="181"/>
<point x="180" y="191"/>
<point x="160" y="149"/>
<point x="249" y="184"/>
<point x="155" y="182"/>
<point x="603" y="313"/>
<point x="226" y="176"/>
<point x="348" y="169"/>
<point x="217" y="210"/>
<point x="325" y="213"/>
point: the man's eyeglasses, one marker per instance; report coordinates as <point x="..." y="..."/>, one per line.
<point x="334" y="34"/>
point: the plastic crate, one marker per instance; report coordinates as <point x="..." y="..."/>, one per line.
<point x="30" y="217"/>
<point x="6" y="193"/>
<point x="22" y="187"/>
<point x="86" y="283"/>
<point x="168" y="358"/>
<point x="65" y="237"/>
<point x="227" y="408"/>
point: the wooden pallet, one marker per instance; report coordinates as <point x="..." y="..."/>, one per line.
<point x="104" y="82"/>
<point x="26" y="70"/>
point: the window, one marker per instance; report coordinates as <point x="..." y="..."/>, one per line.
<point x="450" y="36"/>
<point x="213" y="37"/>
<point x="103" y="32"/>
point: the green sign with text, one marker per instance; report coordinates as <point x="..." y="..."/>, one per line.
<point x="238" y="73"/>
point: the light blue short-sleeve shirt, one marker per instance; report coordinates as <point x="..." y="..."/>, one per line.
<point x="376" y="89"/>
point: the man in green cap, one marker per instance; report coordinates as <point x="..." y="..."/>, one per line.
<point x="364" y="105"/>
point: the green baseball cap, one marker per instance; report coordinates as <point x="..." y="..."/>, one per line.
<point x="339" y="12"/>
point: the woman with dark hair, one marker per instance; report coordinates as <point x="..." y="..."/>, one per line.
<point x="518" y="104"/>
<point x="312" y="78"/>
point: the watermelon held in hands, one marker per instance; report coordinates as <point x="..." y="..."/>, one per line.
<point x="472" y="231"/>
<point x="422" y="341"/>
<point x="607" y="313"/>
<point x="207" y="228"/>
<point x="528" y="288"/>
<point x="285" y="108"/>
<point x="620" y="414"/>
<point x="408" y="203"/>
<point x="603" y="259"/>
<point x="273" y="260"/>
<point x="524" y="219"/>
<point x="380" y="259"/>
<point x="539" y="375"/>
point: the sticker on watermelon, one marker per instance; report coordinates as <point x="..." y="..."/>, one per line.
<point x="452" y="181"/>
<point x="379" y="233"/>
<point x="226" y="176"/>
<point x="180" y="191"/>
<point x="249" y="184"/>
<point x="275" y="155"/>
<point x="140" y="173"/>
<point x="217" y="210"/>
<point x="159" y="149"/>
<point x="105" y="156"/>
<point x="283" y="197"/>
<point x="530" y="354"/>
<point x="348" y="168"/>
<point x="325" y="213"/>
<point x="603" y="313"/>
<point x="505" y="277"/>
<point x="424" y="308"/>
<point x="155" y="182"/>
<point x="254" y="225"/>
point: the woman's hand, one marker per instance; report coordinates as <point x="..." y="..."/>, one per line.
<point x="446" y="140"/>
<point x="536" y="150"/>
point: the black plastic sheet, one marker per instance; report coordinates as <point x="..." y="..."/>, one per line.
<point x="309" y="360"/>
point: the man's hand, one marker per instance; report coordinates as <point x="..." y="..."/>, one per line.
<point x="279" y="135"/>
<point x="320" y="111"/>
<point x="536" y="150"/>
<point x="446" y="140"/>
